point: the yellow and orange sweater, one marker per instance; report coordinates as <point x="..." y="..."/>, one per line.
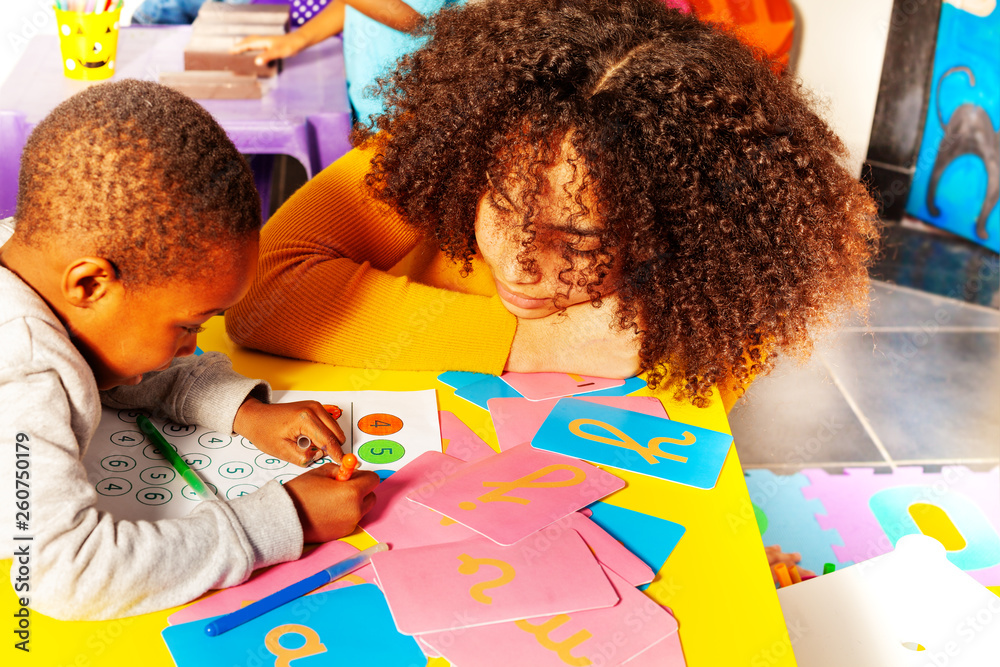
<point x="345" y="280"/>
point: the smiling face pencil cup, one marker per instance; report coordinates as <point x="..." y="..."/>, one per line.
<point x="88" y="43"/>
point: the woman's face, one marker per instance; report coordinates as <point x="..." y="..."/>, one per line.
<point x="565" y="238"/>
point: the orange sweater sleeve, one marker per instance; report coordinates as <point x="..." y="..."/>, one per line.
<point x="322" y="292"/>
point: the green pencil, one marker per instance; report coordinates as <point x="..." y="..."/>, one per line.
<point x="190" y="476"/>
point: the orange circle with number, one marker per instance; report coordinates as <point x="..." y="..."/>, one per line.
<point x="380" y="423"/>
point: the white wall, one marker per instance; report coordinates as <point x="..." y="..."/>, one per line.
<point x="22" y="19"/>
<point x="840" y="60"/>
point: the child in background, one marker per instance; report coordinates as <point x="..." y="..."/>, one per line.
<point x="172" y="12"/>
<point x="137" y="221"/>
<point x="375" y="36"/>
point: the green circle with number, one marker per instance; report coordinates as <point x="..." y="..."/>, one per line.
<point x="381" y="451"/>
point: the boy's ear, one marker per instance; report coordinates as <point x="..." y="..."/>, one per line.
<point x="87" y="280"/>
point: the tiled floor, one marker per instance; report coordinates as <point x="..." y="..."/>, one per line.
<point x="919" y="385"/>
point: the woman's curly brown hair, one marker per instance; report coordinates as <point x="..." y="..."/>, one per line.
<point x="732" y="225"/>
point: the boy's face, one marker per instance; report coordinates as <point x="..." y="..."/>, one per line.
<point x="146" y="327"/>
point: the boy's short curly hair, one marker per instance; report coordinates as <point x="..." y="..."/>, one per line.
<point x="142" y="175"/>
<point x="733" y="225"/>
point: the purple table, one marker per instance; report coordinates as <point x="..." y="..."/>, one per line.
<point x="305" y="113"/>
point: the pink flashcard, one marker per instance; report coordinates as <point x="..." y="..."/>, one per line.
<point x="609" y="636"/>
<point x="539" y="386"/>
<point x="460" y="441"/>
<point x="516" y="420"/>
<point x="609" y="551"/>
<point x="477" y="582"/>
<point x="403" y="524"/>
<point x="273" y="579"/>
<point x="665" y="653"/>
<point x="510" y="495"/>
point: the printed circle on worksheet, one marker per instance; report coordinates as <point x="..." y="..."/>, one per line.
<point x="381" y="451"/>
<point x="188" y="492"/>
<point x="171" y="429"/>
<point x="128" y="438"/>
<point x="158" y="475"/>
<point x="246" y="443"/>
<point x="113" y="486"/>
<point x="268" y="462"/>
<point x="240" y="490"/>
<point x="153" y="495"/>
<point x="380" y="423"/>
<point x="318" y="462"/>
<point x="235" y="470"/>
<point x="128" y="416"/>
<point x="153" y="454"/>
<point x="117" y="463"/>
<point x="214" y="440"/>
<point x="197" y="461"/>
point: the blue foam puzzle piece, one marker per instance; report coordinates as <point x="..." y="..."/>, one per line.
<point x="320" y="617"/>
<point x="650" y="538"/>
<point x="791" y="518"/>
<point x="478" y="393"/>
<point x="198" y="351"/>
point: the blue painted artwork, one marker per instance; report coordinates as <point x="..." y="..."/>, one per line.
<point x="957" y="180"/>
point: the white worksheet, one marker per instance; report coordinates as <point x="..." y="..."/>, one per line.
<point x="385" y="429"/>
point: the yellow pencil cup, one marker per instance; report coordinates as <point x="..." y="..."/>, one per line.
<point x="88" y="43"/>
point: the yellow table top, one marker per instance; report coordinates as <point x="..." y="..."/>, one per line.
<point x="716" y="580"/>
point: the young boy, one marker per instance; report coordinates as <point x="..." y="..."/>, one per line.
<point x="137" y="221"/>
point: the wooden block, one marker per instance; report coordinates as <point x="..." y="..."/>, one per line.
<point x="219" y="12"/>
<point x="201" y="27"/>
<point x="212" y="53"/>
<point x="213" y="85"/>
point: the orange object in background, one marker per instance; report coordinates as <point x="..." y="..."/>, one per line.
<point x="769" y="24"/>
<point x="334" y="411"/>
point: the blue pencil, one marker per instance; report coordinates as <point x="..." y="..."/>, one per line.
<point x="296" y="590"/>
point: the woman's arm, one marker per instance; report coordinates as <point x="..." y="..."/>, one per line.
<point x="322" y="290"/>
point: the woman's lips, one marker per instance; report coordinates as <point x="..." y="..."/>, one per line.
<point x="519" y="300"/>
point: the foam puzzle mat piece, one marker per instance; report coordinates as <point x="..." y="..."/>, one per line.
<point x="792" y="518"/>
<point x="870" y="511"/>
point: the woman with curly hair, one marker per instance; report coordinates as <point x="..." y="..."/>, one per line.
<point x="582" y="186"/>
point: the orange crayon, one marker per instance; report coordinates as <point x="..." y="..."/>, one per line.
<point x="783" y="577"/>
<point x="347" y="466"/>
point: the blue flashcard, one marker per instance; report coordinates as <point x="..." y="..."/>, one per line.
<point x="484" y="390"/>
<point x="650" y="538"/>
<point x="459" y="379"/>
<point x="631" y="384"/>
<point x="309" y="631"/>
<point x="632" y="441"/>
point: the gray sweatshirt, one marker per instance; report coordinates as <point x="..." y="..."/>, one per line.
<point x="81" y="563"/>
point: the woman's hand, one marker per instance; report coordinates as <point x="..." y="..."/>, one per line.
<point x="582" y="339"/>
<point x="273" y="46"/>
<point x="275" y="429"/>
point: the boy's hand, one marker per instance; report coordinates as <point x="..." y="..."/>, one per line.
<point x="275" y="429"/>
<point x="329" y="509"/>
